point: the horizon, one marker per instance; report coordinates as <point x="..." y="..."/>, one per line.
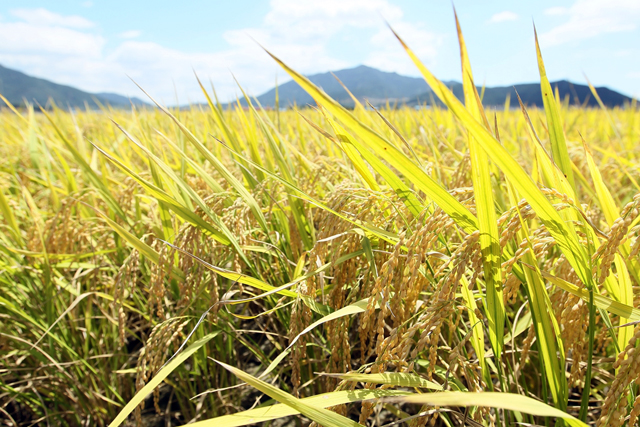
<point x="86" y="45"/>
<point x="145" y="99"/>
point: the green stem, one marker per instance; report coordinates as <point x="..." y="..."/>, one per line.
<point x="586" y="391"/>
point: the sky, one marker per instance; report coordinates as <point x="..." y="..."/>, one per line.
<point x="101" y="46"/>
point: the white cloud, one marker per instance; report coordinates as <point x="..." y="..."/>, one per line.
<point x="589" y="18"/>
<point x="69" y="50"/>
<point x="388" y="55"/>
<point x="43" y="17"/>
<point x="504" y="17"/>
<point x="292" y="27"/>
<point x="27" y="38"/>
<point x="293" y="19"/>
<point x="556" y="11"/>
<point x="131" y="34"/>
<point x="300" y="31"/>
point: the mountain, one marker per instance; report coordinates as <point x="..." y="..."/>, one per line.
<point x="116" y="100"/>
<point x="379" y="87"/>
<point x="18" y="87"/>
<point x="364" y="82"/>
<point x="531" y="95"/>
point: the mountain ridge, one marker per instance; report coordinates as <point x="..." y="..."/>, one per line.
<point x="362" y="81"/>
<point x="379" y="87"/>
<point x="17" y="87"/>
<point x="365" y="83"/>
<point x="531" y="94"/>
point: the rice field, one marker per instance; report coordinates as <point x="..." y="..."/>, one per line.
<point x="231" y="266"/>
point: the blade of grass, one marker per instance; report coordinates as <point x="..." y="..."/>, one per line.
<point x="566" y="238"/>
<point x="385" y="149"/>
<point x="485" y="209"/>
<point x="313" y="411"/>
<point x="182" y="211"/>
<point x="623" y="310"/>
<point x="159" y="377"/>
<point x="219" y="166"/>
<point x="88" y="170"/>
<point x="272" y="412"/>
<point x="404" y="192"/>
<point x="399" y="379"/>
<point x="554" y="122"/>
<point x="509" y="401"/>
<point x="611" y="213"/>
<point x="352" y="153"/>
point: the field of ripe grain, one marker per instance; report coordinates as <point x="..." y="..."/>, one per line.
<point x="229" y="267"/>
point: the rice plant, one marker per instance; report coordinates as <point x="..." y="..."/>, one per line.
<point x="230" y="266"/>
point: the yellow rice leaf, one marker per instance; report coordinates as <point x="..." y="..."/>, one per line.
<point x="509" y="401"/>
<point x="356" y="307"/>
<point x="392" y="154"/>
<point x="556" y="133"/>
<point x="182" y="211"/>
<point x="594" y="92"/>
<point x="159" y="377"/>
<point x="89" y="172"/>
<point x="399" y="379"/>
<point x="7" y="213"/>
<point x="565" y="237"/>
<point x="353" y="155"/>
<point x="394" y="181"/>
<point x="220" y="167"/>
<point x="315" y="412"/>
<point x="625" y="288"/>
<point x="376" y="231"/>
<point x="272" y="412"/>
<point x="601" y="301"/>
<point x="477" y="337"/>
<point x="144" y="249"/>
<point x="485" y="209"/>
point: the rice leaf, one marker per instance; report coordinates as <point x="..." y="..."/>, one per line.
<point x="405" y="194"/>
<point x="355" y="308"/>
<point x="485" y="209"/>
<point x="566" y="238"/>
<point x="144" y="249"/>
<point x="313" y="411"/>
<point x="272" y="412"/>
<point x="399" y="379"/>
<point x="623" y="310"/>
<point x="509" y="401"/>
<point x="392" y="154"/>
<point x="220" y="167"/>
<point x="554" y="122"/>
<point x="159" y="377"/>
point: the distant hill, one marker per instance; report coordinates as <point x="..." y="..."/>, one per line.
<point x="379" y="87"/>
<point x="364" y="82"/>
<point x="116" y="100"/>
<point x="18" y="87"/>
<point x="531" y="95"/>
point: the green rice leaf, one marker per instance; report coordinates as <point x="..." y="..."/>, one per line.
<point x="564" y="235"/>
<point x="272" y="412"/>
<point x="556" y="133"/>
<point x="389" y="152"/>
<point x="315" y="412"/>
<point x="623" y="310"/>
<point x="399" y="379"/>
<point x="485" y="209"/>
<point x="159" y="377"/>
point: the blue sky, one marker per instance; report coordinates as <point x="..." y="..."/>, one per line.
<point x="95" y="45"/>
